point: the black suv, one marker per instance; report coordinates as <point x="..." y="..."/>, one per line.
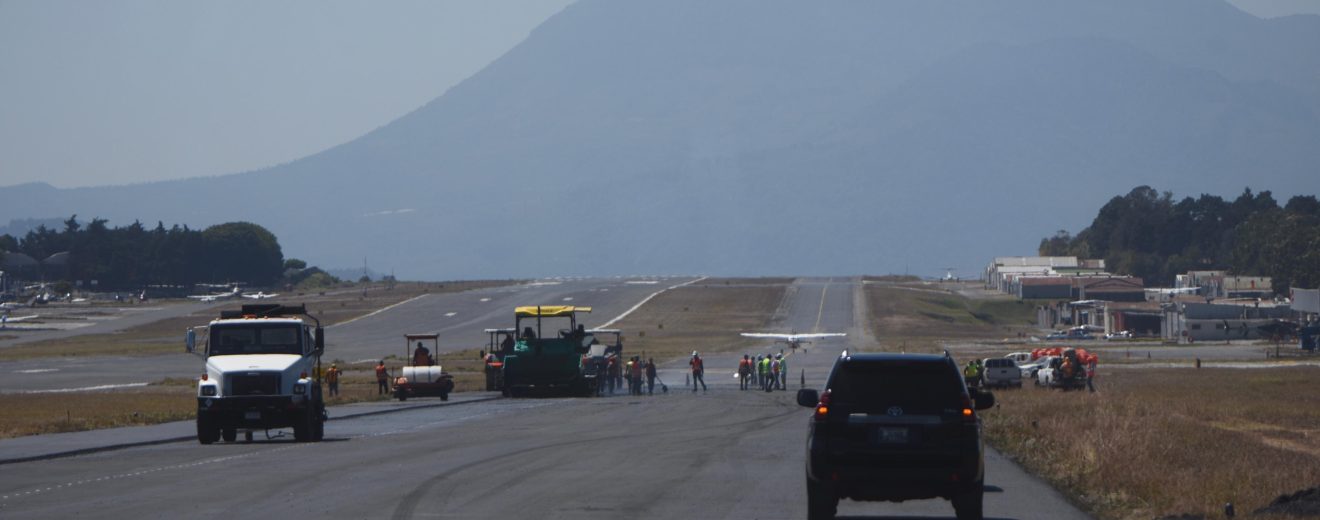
<point x="895" y="427"/>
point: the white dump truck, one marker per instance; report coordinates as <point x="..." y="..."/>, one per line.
<point x="262" y="372"/>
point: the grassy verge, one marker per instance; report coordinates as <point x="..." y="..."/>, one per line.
<point x="704" y="317"/>
<point x="1157" y="442"/>
<point x="920" y="318"/>
<point x="33" y="414"/>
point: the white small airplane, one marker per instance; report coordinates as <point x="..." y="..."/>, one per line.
<point x="233" y="293"/>
<point x="9" y="306"/>
<point x="793" y="340"/>
<point x="6" y="318"/>
<point x="260" y="295"/>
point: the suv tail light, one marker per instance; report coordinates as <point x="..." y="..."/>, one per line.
<point x="968" y="411"/>
<point x="823" y="407"/>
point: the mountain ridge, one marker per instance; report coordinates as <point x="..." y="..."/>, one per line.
<point x="677" y="147"/>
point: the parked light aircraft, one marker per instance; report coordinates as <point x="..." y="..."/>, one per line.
<point x="9" y="306"/>
<point x="233" y="293"/>
<point x="793" y="340"/>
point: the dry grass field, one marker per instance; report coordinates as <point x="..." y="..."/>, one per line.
<point x="916" y="317"/>
<point x="1155" y="442"/>
<point x="32" y="414"/>
<point x="705" y="317"/>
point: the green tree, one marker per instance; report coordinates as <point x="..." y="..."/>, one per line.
<point x="243" y="252"/>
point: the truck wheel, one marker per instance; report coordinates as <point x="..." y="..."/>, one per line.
<point x="444" y="396"/>
<point x="229" y="434"/>
<point x="207" y="433"/>
<point x="303" y="426"/>
<point x="318" y="429"/>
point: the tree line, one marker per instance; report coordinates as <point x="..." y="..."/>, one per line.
<point x="1148" y="234"/>
<point x="133" y="257"/>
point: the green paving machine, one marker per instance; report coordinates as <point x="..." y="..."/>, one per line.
<point x="548" y="354"/>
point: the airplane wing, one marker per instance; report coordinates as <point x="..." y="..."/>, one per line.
<point x="260" y="296"/>
<point x="13" y="319"/>
<point x="793" y="337"/>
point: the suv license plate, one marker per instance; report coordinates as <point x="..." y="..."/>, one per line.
<point x="252" y="416"/>
<point x="888" y="435"/>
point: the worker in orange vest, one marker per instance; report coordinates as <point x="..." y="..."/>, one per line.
<point x="637" y="375"/>
<point x="332" y="377"/>
<point x="382" y="379"/>
<point x="698" y="370"/>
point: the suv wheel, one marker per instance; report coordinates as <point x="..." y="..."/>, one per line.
<point x="967" y="506"/>
<point x="229" y="434"/>
<point x="822" y="503"/>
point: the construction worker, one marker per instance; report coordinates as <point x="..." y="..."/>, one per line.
<point x="698" y="371"/>
<point x="783" y="372"/>
<point x="628" y="374"/>
<point x="612" y="372"/>
<point x="971" y="375"/>
<point x="744" y="372"/>
<point x="650" y="376"/>
<point x="1090" y="374"/>
<point x="637" y="375"/>
<point x="763" y="368"/>
<point x="382" y="379"/>
<point x="422" y="356"/>
<point x="774" y="372"/>
<point x="332" y="378"/>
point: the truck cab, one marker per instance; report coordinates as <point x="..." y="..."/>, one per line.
<point x="262" y="372"/>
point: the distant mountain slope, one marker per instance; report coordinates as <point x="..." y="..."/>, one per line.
<point x="759" y="137"/>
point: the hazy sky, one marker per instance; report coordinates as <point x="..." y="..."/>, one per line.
<point x="113" y="92"/>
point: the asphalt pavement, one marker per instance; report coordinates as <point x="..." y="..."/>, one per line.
<point x="718" y="453"/>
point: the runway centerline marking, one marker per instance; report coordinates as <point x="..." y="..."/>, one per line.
<point x="821" y="311"/>
<point x="83" y="389"/>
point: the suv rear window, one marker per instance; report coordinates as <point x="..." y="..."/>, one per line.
<point x="999" y="363"/>
<point x="920" y="386"/>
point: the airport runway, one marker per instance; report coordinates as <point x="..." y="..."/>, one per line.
<point x="722" y="453"/>
<point x="458" y="317"/>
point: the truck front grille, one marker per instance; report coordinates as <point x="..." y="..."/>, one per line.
<point x="254" y="383"/>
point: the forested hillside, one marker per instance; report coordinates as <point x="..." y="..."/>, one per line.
<point x="1147" y="233"/>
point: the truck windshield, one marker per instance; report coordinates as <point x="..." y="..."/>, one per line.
<point x="255" y="339"/>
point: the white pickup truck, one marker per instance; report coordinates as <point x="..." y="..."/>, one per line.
<point x="1002" y="372"/>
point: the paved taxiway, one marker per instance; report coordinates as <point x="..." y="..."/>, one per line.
<point x="723" y="453"/>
